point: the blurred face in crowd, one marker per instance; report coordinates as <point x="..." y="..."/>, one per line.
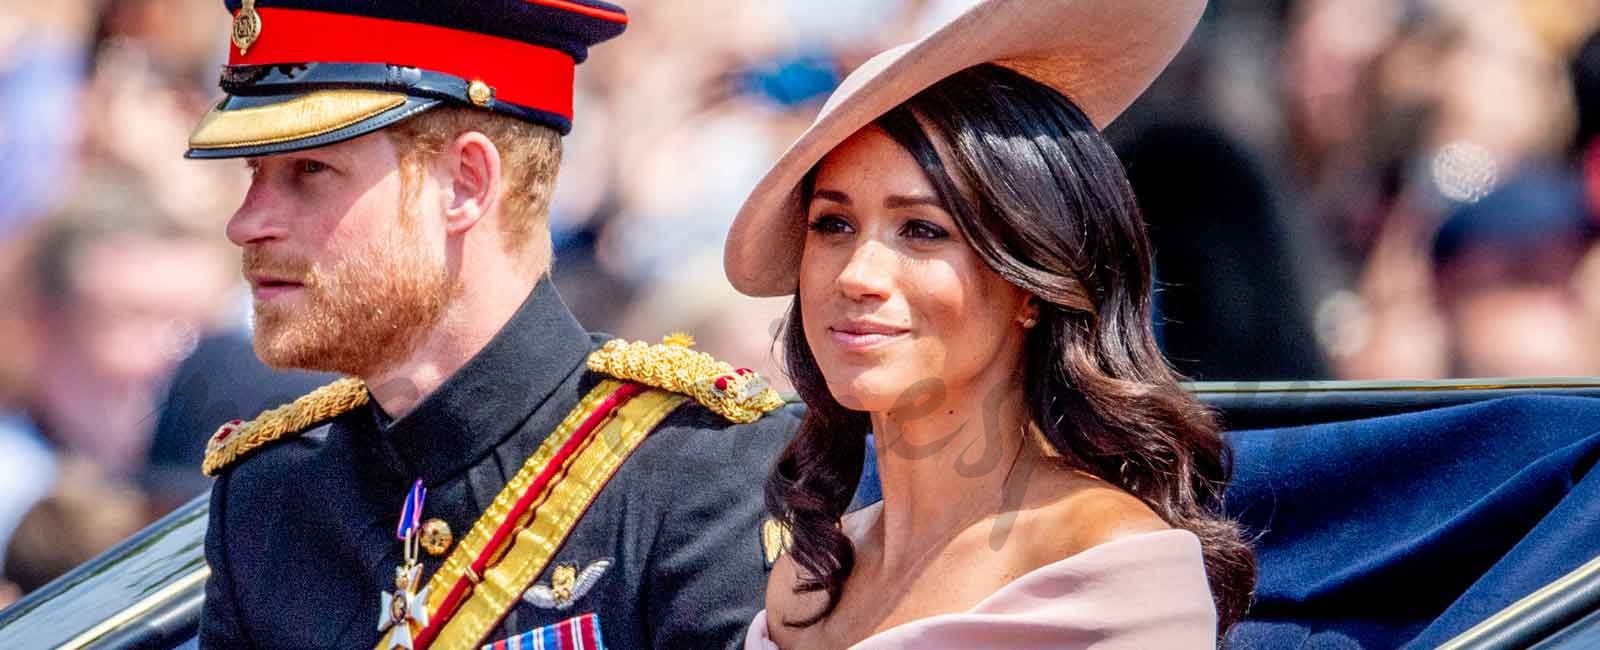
<point x="1515" y="314"/>
<point x="1526" y="331"/>
<point x="1330" y="44"/>
<point x="133" y="290"/>
<point x="890" y="293"/>
<point x="135" y="307"/>
<point x="344" y="270"/>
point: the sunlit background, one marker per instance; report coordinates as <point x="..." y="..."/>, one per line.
<point x="1354" y="189"/>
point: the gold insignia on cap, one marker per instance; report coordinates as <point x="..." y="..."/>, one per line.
<point x="435" y="536"/>
<point x="246" y="27"/>
<point x="775" y="540"/>
<point x="480" y="93"/>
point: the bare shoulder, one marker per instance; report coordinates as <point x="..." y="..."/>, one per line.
<point x="785" y="603"/>
<point x="1081" y="514"/>
<point x="781" y="597"/>
<point x="1110" y="514"/>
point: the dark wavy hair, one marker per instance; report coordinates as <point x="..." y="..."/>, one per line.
<point x="1048" y="207"/>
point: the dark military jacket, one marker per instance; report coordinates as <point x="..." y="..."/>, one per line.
<point x="302" y="541"/>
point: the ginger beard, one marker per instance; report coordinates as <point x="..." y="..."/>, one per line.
<point x="363" y="315"/>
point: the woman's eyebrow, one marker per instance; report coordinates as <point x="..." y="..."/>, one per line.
<point x="913" y="200"/>
<point x="832" y="195"/>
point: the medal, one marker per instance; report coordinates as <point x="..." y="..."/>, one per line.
<point x="406" y="608"/>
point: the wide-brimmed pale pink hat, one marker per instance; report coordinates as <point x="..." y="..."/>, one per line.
<point x="1101" y="54"/>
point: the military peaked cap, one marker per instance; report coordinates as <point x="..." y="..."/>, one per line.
<point x="309" y="73"/>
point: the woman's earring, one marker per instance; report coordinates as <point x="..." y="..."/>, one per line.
<point x="1029" y="322"/>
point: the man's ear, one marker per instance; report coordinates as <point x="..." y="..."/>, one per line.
<point x="473" y="171"/>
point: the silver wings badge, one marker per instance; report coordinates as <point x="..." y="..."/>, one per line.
<point x="567" y="585"/>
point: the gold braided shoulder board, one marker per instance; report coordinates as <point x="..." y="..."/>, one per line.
<point x="738" y="394"/>
<point x="237" y="438"/>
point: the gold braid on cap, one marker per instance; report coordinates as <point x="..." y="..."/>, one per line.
<point x="237" y="438"/>
<point x="738" y="394"/>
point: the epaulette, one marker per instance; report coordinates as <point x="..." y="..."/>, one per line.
<point x="237" y="438"/>
<point x="738" y="394"/>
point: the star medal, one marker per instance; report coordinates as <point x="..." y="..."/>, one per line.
<point x="405" y="610"/>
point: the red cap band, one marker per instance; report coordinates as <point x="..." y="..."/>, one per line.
<point x="521" y="73"/>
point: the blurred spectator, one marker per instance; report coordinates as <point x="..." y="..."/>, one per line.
<point x="1585" y="150"/>
<point x="122" y="293"/>
<point x="84" y="516"/>
<point x="119" y="294"/>
<point x="1503" y="268"/>
<point x="1340" y="129"/>
<point x="1229" y="301"/>
<point x="43" y="59"/>
<point x="29" y="468"/>
<point x="1481" y="86"/>
<point x="1330" y="50"/>
<point x="154" y="75"/>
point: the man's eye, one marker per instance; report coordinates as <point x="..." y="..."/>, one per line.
<point x="310" y="167"/>
<point x="919" y="229"/>
<point x="829" y="224"/>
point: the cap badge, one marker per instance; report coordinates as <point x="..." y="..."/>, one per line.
<point x="246" y="26"/>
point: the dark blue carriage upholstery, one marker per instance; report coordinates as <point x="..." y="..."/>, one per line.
<point x="1407" y="530"/>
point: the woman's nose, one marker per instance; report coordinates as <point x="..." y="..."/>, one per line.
<point x="868" y="273"/>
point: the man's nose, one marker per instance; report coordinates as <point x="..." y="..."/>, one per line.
<point x="257" y="220"/>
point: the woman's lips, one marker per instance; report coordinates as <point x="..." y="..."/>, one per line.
<point x="860" y="337"/>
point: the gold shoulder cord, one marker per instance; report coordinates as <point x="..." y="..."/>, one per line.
<point x="236" y="439"/>
<point x="738" y="394"/>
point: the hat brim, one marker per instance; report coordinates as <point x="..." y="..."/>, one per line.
<point x="245" y="126"/>
<point x="1101" y="54"/>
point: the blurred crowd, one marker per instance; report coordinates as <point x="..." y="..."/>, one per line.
<point x="1361" y="189"/>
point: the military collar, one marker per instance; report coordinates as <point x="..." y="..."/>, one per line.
<point x="485" y="400"/>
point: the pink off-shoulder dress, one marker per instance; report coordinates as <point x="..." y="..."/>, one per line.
<point x="1135" y="593"/>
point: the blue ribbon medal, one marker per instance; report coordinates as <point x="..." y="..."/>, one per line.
<point x="411" y="516"/>
<point x="405" y="610"/>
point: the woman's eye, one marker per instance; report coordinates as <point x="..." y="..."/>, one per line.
<point x="919" y="229"/>
<point x="309" y="167"/>
<point x="829" y="224"/>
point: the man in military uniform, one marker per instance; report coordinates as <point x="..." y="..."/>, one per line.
<point x="489" y="472"/>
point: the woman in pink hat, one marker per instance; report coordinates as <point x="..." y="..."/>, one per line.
<point x="972" y="284"/>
